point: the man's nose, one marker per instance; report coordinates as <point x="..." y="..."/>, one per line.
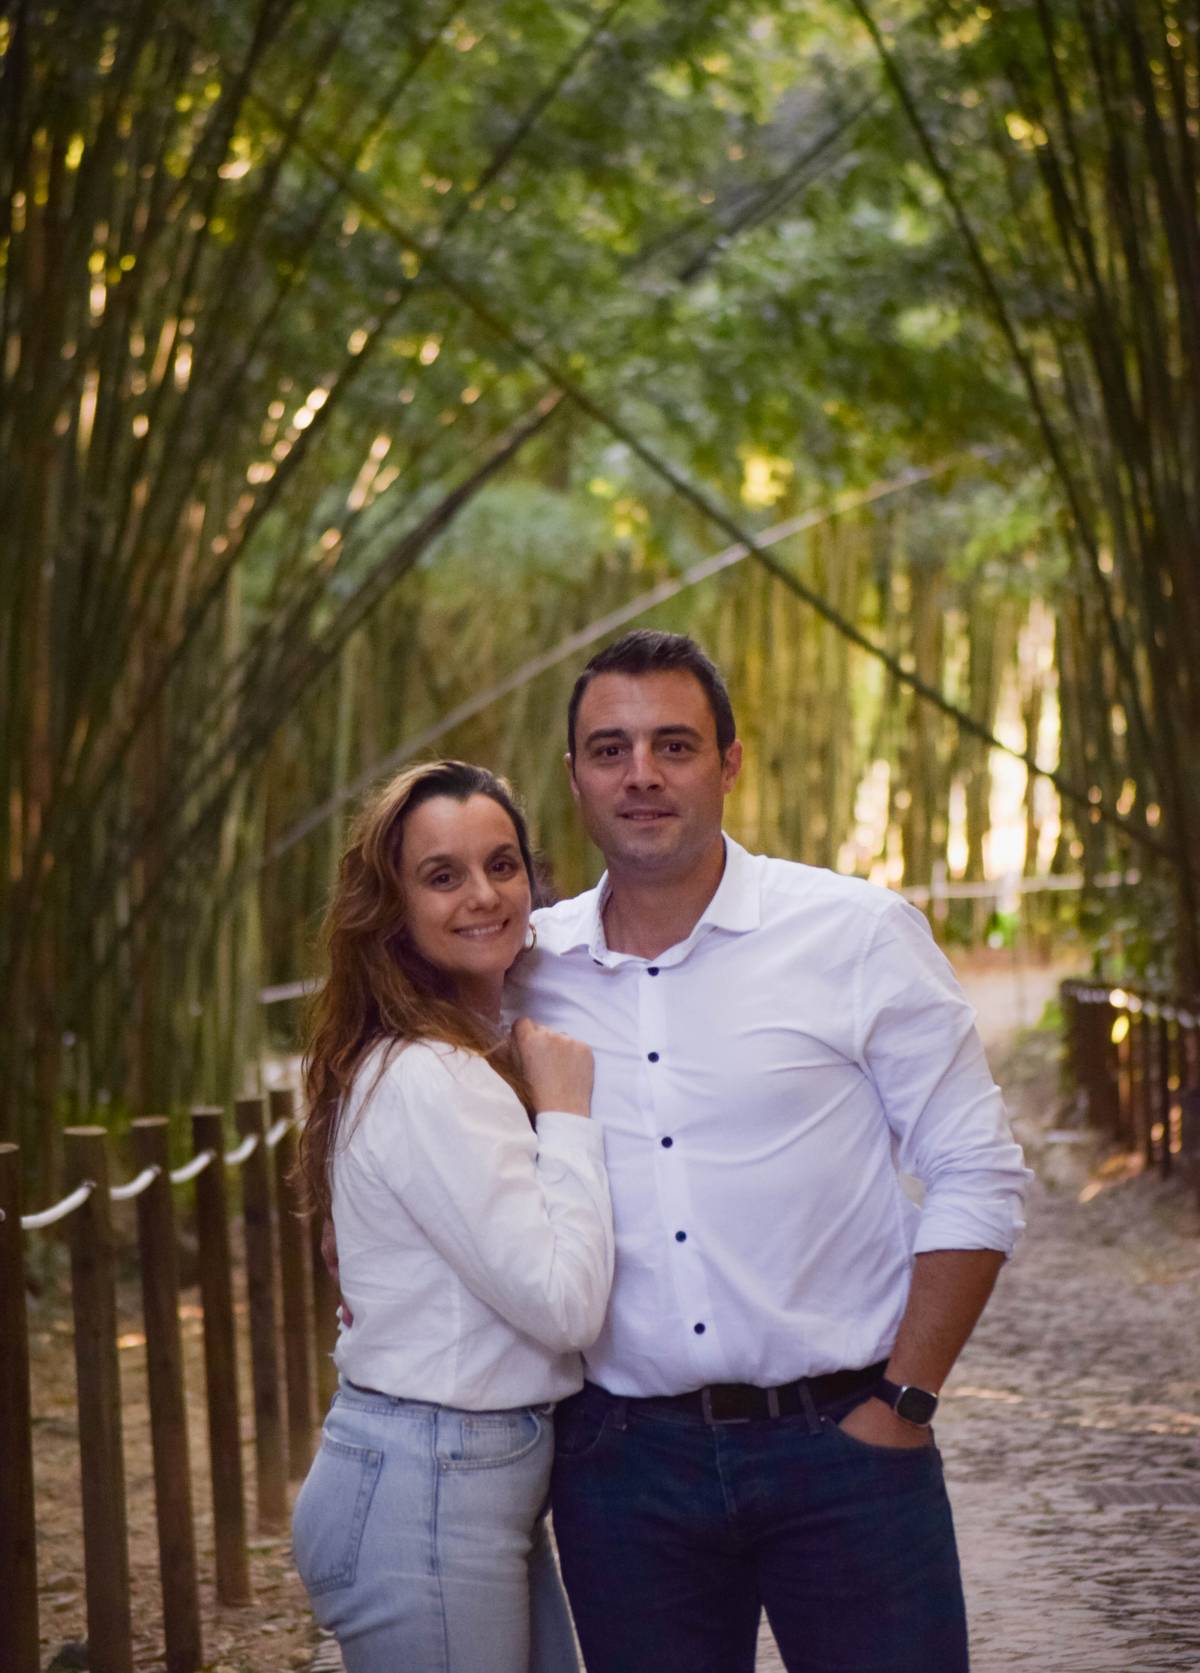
<point x="644" y="770"/>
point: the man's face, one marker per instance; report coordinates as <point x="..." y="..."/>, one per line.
<point x="647" y="775"/>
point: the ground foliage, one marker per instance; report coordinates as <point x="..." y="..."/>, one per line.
<point x="292" y="294"/>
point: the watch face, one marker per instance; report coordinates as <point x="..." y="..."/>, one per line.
<point x="916" y="1405"/>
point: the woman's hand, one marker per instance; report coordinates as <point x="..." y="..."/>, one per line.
<point x="557" y="1069"/>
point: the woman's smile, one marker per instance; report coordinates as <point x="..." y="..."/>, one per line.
<point x="466" y="893"/>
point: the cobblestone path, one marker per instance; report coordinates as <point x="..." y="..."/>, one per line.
<point x="1071" y="1426"/>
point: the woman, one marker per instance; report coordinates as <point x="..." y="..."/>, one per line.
<point x="475" y="1254"/>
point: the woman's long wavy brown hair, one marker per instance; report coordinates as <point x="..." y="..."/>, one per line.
<point x="379" y="987"/>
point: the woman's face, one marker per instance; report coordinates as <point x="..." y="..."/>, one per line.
<point x="466" y="891"/>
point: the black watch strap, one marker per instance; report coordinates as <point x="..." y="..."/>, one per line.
<point x="914" y="1405"/>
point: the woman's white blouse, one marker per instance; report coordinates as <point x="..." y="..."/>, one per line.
<point x="475" y="1255"/>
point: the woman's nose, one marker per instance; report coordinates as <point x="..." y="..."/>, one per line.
<point x="482" y="892"/>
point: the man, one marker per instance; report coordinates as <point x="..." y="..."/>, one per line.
<point x="772" y="1041"/>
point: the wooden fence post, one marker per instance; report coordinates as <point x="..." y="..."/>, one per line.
<point x="294" y="1285"/>
<point x="93" y="1296"/>
<point x="18" y="1546"/>
<point x="1143" y="1059"/>
<point x="1126" y="1093"/>
<point x="159" y="1256"/>
<point x="325" y="1328"/>
<point x="1189" y="1098"/>
<point x="220" y="1363"/>
<point x="1162" y="1082"/>
<point x="1103" y="1067"/>
<point x="270" y="1473"/>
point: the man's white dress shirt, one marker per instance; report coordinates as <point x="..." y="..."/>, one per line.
<point x="475" y="1256"/>
<point x="759" y="1085"/>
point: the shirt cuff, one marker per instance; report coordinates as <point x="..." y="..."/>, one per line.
<point x="979" y="1225"/>
<point x="561" y="1127"/>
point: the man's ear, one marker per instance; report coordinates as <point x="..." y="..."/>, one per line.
<point x="731" y="766"/>
<point x="569" y="764"/>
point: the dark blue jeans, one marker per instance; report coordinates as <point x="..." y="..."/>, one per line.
<point x="674" y="1534"/>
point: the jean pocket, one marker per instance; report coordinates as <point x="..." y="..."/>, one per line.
<point x="870" y="1450"/>
<point x="578" y="1427"/>
<point x="331" y="1514"/>
<point x="482" y="1440"/>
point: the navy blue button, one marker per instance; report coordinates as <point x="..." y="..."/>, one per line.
<point x="681" y="1237"/>
<point x="652" y="970"/>
<point x="653" y="1056"/>
<point x="699" y="1329"/>
<point x="667" y="1143"/>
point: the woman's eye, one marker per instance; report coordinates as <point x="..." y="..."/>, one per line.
<point x="440" y="879"/>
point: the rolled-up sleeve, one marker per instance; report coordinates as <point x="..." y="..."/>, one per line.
<point x="921" y="1049"/>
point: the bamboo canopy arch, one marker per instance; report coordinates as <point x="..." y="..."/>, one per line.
<point x="310" y="445"/>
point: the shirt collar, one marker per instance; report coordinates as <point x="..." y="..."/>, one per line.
<point x="735" y="906"/>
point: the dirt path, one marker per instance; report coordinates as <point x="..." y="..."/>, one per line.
<point x="275" y="1633"/>
<point x="1071" y="1434"/>
<point x="1071" y="1428"/>
<point x="1073" y="1442"/>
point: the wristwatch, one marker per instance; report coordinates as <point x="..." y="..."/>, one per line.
<point x="914" y="1405"/>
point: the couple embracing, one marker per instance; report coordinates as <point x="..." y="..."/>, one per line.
<point x="644" y="1256"/>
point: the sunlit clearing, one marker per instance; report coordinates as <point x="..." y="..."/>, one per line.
<point x="765" y="478"/>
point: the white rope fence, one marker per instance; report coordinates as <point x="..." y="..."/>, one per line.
<point x="193" y="1169"/>
<point x="143" y="1181"/>
<point x="60" y="1210"/>
<point x="135" y="1187"/>
<point x="235" y="1158"/>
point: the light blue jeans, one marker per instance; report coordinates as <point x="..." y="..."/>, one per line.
<point x="420" y="1534"/>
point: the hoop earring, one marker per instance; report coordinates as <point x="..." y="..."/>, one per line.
<point x="531" y="938"/>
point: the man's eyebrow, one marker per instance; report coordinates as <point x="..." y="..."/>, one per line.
<point x="603" y="734"/>
<point x="618" y="734"/>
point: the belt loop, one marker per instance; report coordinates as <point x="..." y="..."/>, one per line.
<point x="620" y="1414"/>
<point x="772" y="1402"/>
<point x="810" y="1407"/>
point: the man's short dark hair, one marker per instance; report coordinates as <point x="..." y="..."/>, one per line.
<point x="647" y="651"/>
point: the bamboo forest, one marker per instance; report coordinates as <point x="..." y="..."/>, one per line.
<point x="364" y="370"/>
<point x="356" y="359"/>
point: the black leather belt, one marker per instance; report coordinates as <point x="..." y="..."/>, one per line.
<point x="742" y="1402"/>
